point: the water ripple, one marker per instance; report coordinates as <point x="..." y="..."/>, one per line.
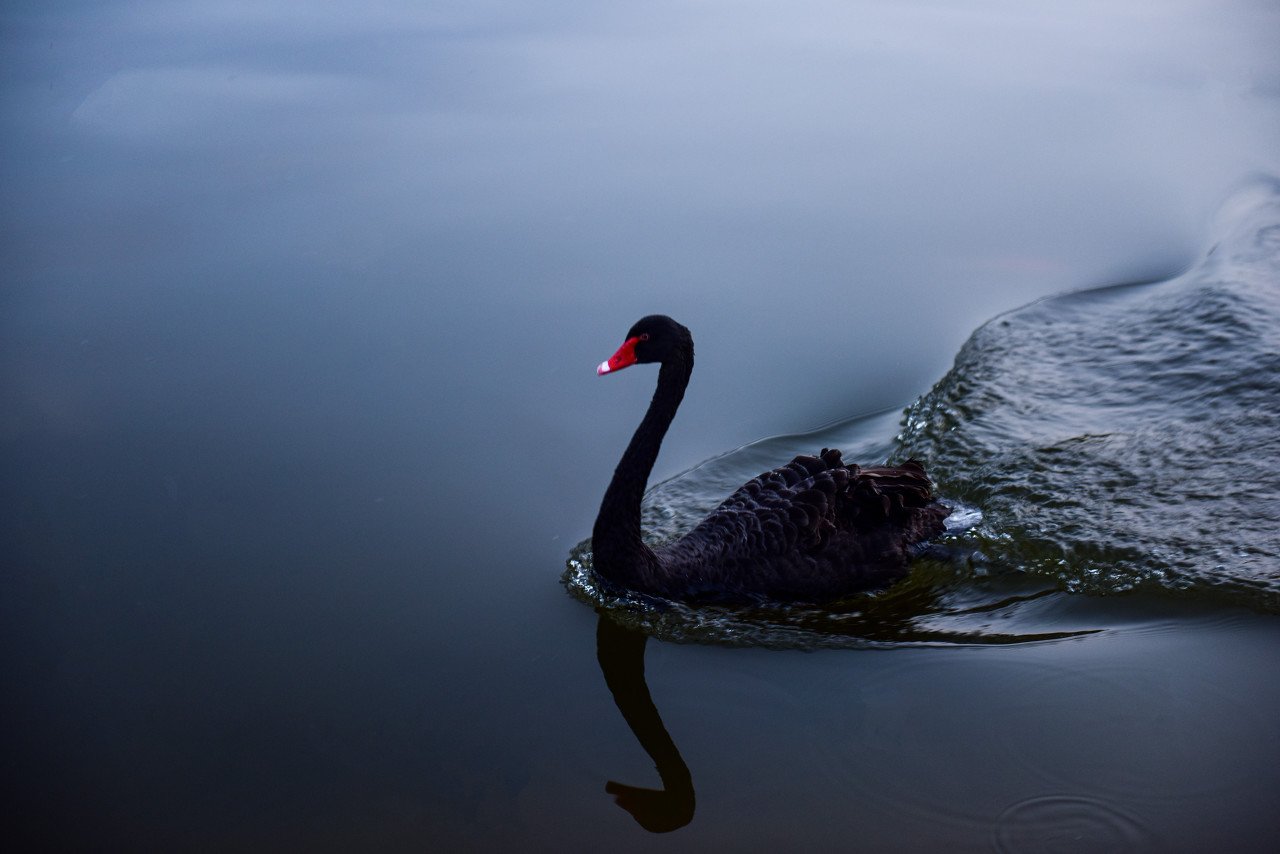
<point x="1060" y="823"/>
<point x="1127" y="438"/>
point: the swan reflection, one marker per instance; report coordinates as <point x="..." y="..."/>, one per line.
<point x="620" y="652"/>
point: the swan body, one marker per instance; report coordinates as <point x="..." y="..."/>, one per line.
<point x="814" y="530"/>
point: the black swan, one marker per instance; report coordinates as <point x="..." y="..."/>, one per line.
<point x="814" y="530"/>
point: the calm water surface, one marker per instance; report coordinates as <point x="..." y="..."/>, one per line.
<point x="299" y="427"/>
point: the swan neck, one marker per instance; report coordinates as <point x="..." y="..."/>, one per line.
<point x="618" y="547"/>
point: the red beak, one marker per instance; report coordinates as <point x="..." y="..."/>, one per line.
<point x="625" y="357"/>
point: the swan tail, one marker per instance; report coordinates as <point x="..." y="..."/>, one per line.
<point x="892" y="494"/>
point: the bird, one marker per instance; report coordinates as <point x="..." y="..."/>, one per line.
<point x="815" y="530"/>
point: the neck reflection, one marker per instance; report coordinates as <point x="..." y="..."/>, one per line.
<point x="621" y="654"/>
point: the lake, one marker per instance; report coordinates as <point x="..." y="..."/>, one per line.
<point x="303" y="442"/>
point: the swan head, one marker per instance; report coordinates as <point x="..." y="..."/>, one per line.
<point x="656" y="338"/>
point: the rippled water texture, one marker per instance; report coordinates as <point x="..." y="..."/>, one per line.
<point x="1103" y="442"/>
<point x="1128" y="436"/>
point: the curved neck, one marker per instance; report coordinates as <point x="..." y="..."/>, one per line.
<point x="618" y="550"/>
<point x="620" y="652"/>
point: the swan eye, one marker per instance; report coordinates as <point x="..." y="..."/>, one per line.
<point x="643" y="336"/>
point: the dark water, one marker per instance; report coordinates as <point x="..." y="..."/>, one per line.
<point x="298" y="425"/>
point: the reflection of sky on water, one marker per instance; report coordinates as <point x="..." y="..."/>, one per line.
<point x="899" y="170"/>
